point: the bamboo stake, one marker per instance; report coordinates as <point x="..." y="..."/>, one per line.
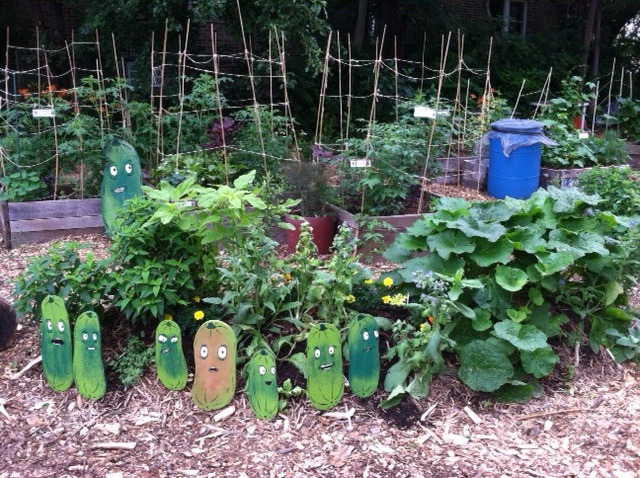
<point x="100" y="78"/>
<point x="182" y="64"/>
<point x="6" y="73"/>
<point x="55" y="127"/>
<point x="483" y="110"/>
<point x="395" y="59"/>
<point x="542" y="100"/>
<point x="515" y="107"/>
<point x="287" y="102"/>
<point x="256" y="107"/>
<point x="350" y="89"/>
<point x="270" y="62"/>
<point x="372" y="114"/>
<point x="621" y="81"/>
<point x="593" y="114"/>
<point x="341" y="105"/>
<point x="613" y="73"/>
<point x="76" y="109"/>
<point x="422" y="66"/>
<point x="323" y="90"/>
<point x="152" y="96"/>
<point x="160" y="135"/>
<point x="214" y="52"/>
<point x="443" y="61"/>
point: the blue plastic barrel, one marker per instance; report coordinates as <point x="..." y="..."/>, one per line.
<point x="515" y="149"/>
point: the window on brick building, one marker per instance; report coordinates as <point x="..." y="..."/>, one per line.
<point x="512" y="13"/>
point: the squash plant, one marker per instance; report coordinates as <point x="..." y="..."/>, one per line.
<point x="538" y="262"/>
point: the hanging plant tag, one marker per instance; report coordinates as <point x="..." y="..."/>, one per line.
<point x="360" y="163"/>
<point x="428" y="112"/>
<point x="583" y="135"/>
<point x="43" y="113"/>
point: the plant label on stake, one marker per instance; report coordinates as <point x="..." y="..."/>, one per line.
<point x="360" y="163"/>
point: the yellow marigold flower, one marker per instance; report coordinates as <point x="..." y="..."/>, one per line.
<point x="287" y="277"/>
<point x="351" y="298"/>
<point x="387" y="282"/>
<point x="386" y="299"/>
<point x="196" y="299"/>
<point x="368" y="281"/>
<point x="422" y="327"/>
<point x="168" y="317"/>
<point x="198" y="315"/>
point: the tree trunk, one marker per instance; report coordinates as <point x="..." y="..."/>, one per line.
<point x="588" y="34"/>
<point x="361" y="24"/>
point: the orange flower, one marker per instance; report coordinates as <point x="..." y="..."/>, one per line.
<point x="24" y="92"/>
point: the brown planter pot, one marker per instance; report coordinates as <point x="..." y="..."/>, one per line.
<point x="368" y="251"/>
<point x="323" y="229"/>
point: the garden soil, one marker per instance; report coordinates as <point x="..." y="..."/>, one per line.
<point x="585" y="423"/>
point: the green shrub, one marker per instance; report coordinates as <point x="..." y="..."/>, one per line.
<point x="618" y="188"/>
<point x="517" y="271"/>
<point x="62" y="271"/>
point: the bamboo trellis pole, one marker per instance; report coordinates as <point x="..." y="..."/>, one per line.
<point x="443" y="61"/>
<point x="182" y="63"/>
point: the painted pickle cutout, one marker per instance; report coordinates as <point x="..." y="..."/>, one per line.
<point x="325" y="384"/>
<point x="55" y="344"/>
<point x="214" y="351"/>
<point x="88" y="368"/>
<point x="364" y="355"/>
<point x="262" y="386"/>
<point x="171" y="365"/>
<point x="121" y="180"/>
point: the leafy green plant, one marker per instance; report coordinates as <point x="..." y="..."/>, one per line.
<point x="68" y="270"/>
<point x="207" y="167"/>
<point x="155" y="266"/>
<point x="288" y="392"/>
<point x="397" y="152"/>
<point x="133" y="361"/>
<point x="22" y="186"/>
<point x="420" y="342"/>
<point x="307" y="182"/>
<point x="618" y="188"/>
<point x="517" y="270"/>
<point x="626" y="118"/>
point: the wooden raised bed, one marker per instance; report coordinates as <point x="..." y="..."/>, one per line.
<point x="41" y="221"/>
<point x="368" y="252"/>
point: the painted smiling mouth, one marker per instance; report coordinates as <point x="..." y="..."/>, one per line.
<point x="213" y="369"/>
<point x="165" y="351"/>
<point x="91" y="348"/>
<point x="367" y="349"/>
<point x="118" y="190"/>
<point x="268" y="383"/>
<point x="57" y="341"/>
<point x="326" y="366"/>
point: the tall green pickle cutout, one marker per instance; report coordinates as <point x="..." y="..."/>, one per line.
<point x="262" y="384"/>
<point x="55" y="344"/>
<point x="171" y="366"/>
<point x="121" y="180"/>
<point x="364" y="355"/>
<point x="325" y="384"/>
<point x="214" y="352"/>
<point x="88" y="369"/>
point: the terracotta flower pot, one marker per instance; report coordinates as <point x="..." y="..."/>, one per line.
<point x="323" y="229"/>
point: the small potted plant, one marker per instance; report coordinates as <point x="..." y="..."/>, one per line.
<point x="307" y="181"/>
